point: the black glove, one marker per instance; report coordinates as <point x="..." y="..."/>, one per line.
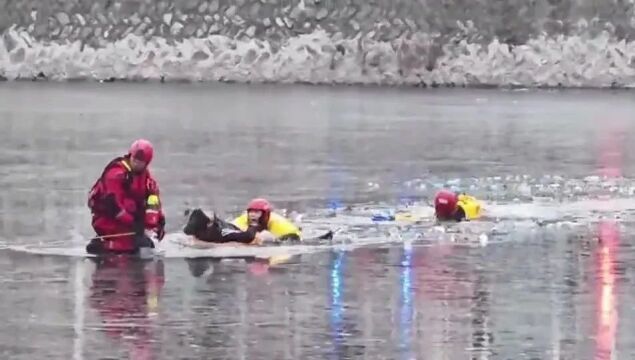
<point x="161" y="228"/>
<point x="110" y="207"/>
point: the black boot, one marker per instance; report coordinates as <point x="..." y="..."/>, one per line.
<point x="95" y="246"/>
<point x="144" y="246"/>
<point x="143" y="241"/>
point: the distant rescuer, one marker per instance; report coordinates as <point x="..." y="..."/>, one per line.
<point x="124" y="202"/>
<point x="450" y="206"/>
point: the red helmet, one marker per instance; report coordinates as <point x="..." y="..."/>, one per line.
<point x="142" y="150"/>
<point x="445" y="204"/>
<point x="261" y="205"/>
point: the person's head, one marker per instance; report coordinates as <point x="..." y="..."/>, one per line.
<point x="141" y="153"/>
<point x="258" y="212"/>
<point x="445" y="204"/>
<point x="201" y="226"/>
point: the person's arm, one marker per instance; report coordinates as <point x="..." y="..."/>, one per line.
<point x="243" y="237"/>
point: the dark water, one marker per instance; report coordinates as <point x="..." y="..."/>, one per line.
<point x="559" y="296"/>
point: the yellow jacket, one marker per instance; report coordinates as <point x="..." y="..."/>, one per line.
<point x="278" y="225"/>
<point x="470" y="206"/>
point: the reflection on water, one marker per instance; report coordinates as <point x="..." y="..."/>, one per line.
<point x="409" y="302"/>
<point x="606" y="300"/>
<point x="406" y="307"/>
<point x="336" y="306"/>
<point x="437" y="323"/>
<point x="482" y="338"/>
<point x="610" y="162"/>
<point x="125" y="293"/>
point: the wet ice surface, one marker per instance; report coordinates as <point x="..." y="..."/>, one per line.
<point x="541" y="286"/>
<point x="557" y="297"/>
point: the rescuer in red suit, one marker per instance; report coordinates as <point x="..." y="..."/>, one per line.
<point x="125" y="202"/>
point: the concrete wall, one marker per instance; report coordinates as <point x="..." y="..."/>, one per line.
<point x="453" y="42"/>
<point x="512" y="21"/>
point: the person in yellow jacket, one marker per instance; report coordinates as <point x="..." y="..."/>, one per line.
<point x="450" y="206"/>
<point x="260" y="216"/>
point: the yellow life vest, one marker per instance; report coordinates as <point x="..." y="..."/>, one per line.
<point x="470" y="206"/>
<point x="278" y="225"/>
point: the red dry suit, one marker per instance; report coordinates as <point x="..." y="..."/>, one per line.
<point x="118" y="204"/>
